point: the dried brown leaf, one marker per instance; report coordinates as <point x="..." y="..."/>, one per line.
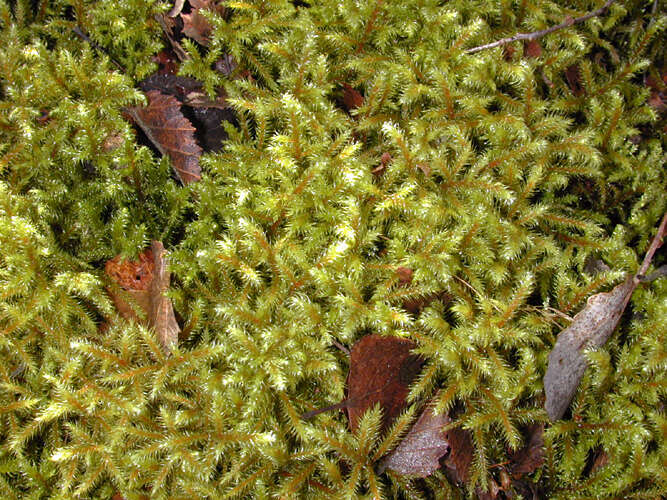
<point x="162" y="316"/>
<point x="171" y="133"/>
<point x="419" y="452"/>
<point x="144" y="283"/>
<point x="381" y="371"/>
<point x="531" y="457"/>
<point x="195" y="25"/>
<point x="458" y="462"/>
<point x="532" y="48"/>
<point x="352" y="98"/>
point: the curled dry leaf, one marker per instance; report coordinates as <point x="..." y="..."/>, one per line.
<point x="195" y="25"/>
<point x="590" y="328"/>
<point x="145" y="282"/>
<point x="171" y="133"/>
<point x="419" y="452"/>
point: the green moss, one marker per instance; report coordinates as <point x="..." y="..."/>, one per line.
<point x="503" y="184"/>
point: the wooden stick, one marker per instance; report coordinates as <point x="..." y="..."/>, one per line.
<point x="539" y="34"/>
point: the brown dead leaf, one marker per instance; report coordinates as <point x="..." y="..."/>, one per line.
<point x="458" y="462"/>
<point x="171" y="133"/>
<point x="590" y="328"/>
<point x="532" y="48"/>
<point x="352" y="98"/>
<point x="419" y="452"/>
<point x="531" y="457"/>
<point x="573" y="77"/>
<point x="195" y="24"/>
<point x="404" y="275"/>
<point x="145" y="282"/>
<point x="385" y="159"/>
<point x="381" y="371"/>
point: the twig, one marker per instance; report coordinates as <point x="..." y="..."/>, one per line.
<point x="79" y="32"/>
<point x="655" y="244"/>
<point x="569" y="21"/>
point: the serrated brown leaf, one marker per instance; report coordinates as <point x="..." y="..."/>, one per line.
<point x="381" y="371"/>
<point x="145" y="282"/>
<point x="171" y="133"/>
<point x="419" y="452"/>
<point x="205" y="114"/>
<point x="590" y="329"/>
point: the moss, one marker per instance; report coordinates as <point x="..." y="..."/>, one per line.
<point x="504" y="181"/>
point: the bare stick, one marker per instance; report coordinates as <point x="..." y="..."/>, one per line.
<point x="655" y="244"/>
<point x="80" y="33"/>
<point x="569" y="21"/>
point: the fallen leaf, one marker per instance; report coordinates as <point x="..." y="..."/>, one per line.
<point x="532" y="48"/>
<point x="404" y="275"/>
<point x="457" y="463"/>
<point x="171" y="133"/>
<point x="385" y="159"/>
<point x="195" y="24"/>
<point x="162" y="316"/>
<point x="573" y="77"/>
<point x="145" y="282"/>
<point x="188" y="91"/>
<point x="381" y="371"/>
<point x="590" y="329"/>
<point x="205" y="114"/>
<point x="419" y="452"/>
<point x="531" y="457"/>
<point x="167" y="62"/>
<point x="352" y="98"/>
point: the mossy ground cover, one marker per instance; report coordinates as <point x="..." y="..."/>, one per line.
<point x="375" y="178"/>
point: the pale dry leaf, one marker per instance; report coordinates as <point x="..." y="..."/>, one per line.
<point x="143" y="284"/>
<point x="162" y="315"/>
<point x="590" y="329"/>
<point x="419" y="452"/>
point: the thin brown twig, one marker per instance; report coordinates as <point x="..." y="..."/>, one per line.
<point x="569" y="21"/>
<point x="655" y="244"/>
<point x="83" y="36"/>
